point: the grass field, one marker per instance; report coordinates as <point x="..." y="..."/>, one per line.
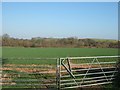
<point x="0" y="52"/>
<point x="20" y="72"/>
<point x="56" y="52"/>
<point x="17" y="52"/>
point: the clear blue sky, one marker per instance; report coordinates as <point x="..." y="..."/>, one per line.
<point x="82" y="20"/>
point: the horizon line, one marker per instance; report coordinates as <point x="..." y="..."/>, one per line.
<point x="62" y="37"/>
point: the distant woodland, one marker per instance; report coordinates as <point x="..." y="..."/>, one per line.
<point x="58" y="42"/>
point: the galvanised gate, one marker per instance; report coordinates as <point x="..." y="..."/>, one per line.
<point x="69" y="72"/>
<point x="76" y="72"/>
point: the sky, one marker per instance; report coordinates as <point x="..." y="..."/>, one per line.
<point x="0" y="18"/>
<point x="61" y="19"/>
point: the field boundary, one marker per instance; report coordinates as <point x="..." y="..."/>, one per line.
<point x="65" y="73"/>
<point x="75" y="74"/>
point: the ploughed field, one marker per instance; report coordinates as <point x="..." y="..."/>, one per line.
<point x="36" y="67"/>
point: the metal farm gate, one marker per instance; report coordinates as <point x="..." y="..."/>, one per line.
<point x="29" y="73"/>
<point x="70" y="72"/>
<point x="79" y="72"/>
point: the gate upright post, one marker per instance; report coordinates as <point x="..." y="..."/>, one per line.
<point x="58" y="73"/>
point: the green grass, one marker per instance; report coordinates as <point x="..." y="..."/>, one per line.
<point x="56" y="52"/>
<point x="24" y="79"/>
<point x="17" y="52"/>
<point x="0" y="52"/>
<point x="29" y="61"/>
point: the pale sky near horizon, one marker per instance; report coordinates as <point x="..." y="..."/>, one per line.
<point x="75" y="19"/>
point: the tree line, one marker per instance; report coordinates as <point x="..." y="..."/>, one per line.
<point x="58" y="42"/>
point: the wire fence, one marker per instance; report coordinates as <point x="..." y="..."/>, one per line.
<point x="29" y="73"/>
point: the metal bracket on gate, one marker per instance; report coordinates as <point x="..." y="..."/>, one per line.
<point x="68" y="69"/>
